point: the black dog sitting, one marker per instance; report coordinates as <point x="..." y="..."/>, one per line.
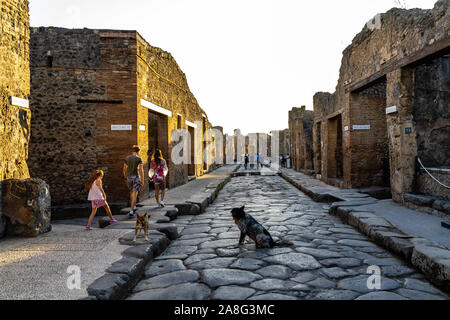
<point x="254" y="230"/>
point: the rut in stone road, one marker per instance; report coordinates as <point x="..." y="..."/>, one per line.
<point x="329" y="260"/>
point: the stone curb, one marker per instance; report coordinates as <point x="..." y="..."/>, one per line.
<point x="123" y="275"/>
<point x="429" y="257"/>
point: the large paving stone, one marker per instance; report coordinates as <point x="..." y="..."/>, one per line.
<point x="273" y="296"/>
<point x="195" y="230"/>
<point x="247" y="264"/>
<point x="359" y="284"/>
<point x="144" y="252"/>
<point x="232" y="293"/>
<point x="304" y="277"/>
<point x="355" y="243"/>
<point x="212" y="263"/>
<point x="225" y="243"/>
<point x="109" y="287"/>
<point x="228" y="252"/>
<point x="319" y="253"/>
<point x="336" y="273"/>
<point x="334" y="294"/>
<point x="229" y="235"/>
<point x="415" y="284"/>
<point x="434" y="262"/>
<point x="191" y="242"/>
<point x="180" y="250"/>
<point x="396" y="271"/>
<point x="223" y="277"/>
<point x="167" y="280"/>
<point x="275" y="271"/>
<point x="194" y="236"/>
<point x="418" y="295"/>
<point x="133" y="267"/>
<point x="296" y="261"/>
<point x="322" y="283"/>
<point x="381" y="295"/>
<point x="272" y="284"/>
<point x="164" y="266"/>
<point x="198" y="257"/>
<point x="342" y="262"/>
<point x="185" y="291"/>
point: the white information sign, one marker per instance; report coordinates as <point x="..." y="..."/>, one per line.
<point x="18" y="102"/>
<point x="121" y="127"/>
<point x="391" y="109"/>
<point x="142" y="127"/>
<point x="346" y="128"/>
<point x="361" y="127"/>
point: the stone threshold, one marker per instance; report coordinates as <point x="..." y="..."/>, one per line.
<point x="428" y="204"/>
<point x="429" y="257"/>
<point x="123" y="275"/>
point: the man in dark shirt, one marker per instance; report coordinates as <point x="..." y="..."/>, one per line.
<point x="133" y="173"/>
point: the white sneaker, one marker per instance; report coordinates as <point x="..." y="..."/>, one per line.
<point x="162" y="204"/>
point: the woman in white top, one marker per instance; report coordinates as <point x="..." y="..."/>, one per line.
<point x="97" y="196"/>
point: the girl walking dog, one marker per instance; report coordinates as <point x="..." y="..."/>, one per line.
<point x="97" y="196"/>
<point x="158" y="172"/>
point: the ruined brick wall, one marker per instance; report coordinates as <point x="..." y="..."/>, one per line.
<point x="14" y="82"/>
<point x="373" y="57"/>
<point x="73" y="100"/>
<point x="301" y="130"/>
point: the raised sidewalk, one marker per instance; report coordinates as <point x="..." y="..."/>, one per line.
<point x="109" y="262"/>
<point x="415" y="236"/>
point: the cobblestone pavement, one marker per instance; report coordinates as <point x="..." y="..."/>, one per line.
<point x="329" y="260"/>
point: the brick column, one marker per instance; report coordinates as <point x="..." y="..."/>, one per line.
<point x="401" y="131"/>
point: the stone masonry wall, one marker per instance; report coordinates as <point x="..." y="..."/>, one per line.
<point x="301" y="129"/>
<point x="14" y="82"/>
<point x="397" y="35"/>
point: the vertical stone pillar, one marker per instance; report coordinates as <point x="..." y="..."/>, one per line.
<point x="401" y="131"/>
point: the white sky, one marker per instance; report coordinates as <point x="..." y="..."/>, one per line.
<point x="248" y="62"/>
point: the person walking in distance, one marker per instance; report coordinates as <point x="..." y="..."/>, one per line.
<point x="246" y="161"/>
<point x="133" y="173"/>
<point x="97" y="197"/>
<point x="158" y="172"/>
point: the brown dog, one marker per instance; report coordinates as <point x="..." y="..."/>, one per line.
<point x="141" y="224"/>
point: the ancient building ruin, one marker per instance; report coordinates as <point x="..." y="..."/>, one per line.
<point x="95" y="94"/>
<point x="391" y="105"/>
<point x="24" y="202"/>
<point x="301" y="130"/>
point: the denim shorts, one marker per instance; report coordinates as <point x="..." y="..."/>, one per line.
<point x="134" y="183"/>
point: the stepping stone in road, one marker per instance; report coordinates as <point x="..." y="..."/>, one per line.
<point x="164" y="266"/>
<point x="167" y="280"/>
<point x="185" y="291"/>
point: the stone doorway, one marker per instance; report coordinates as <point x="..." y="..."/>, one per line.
<point x="158" y="135"/>
<point x="335" y="150"/>
<point x="191" y="165"/>
<point x="369" y="145"/>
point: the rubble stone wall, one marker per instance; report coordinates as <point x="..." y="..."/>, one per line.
<point x="301" y="130"/>
<point x="14" y="82"/>
<point x="389" y="40"/>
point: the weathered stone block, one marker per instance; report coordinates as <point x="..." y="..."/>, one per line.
<point x="26" y="207"/>
<point x="109" y="287"/>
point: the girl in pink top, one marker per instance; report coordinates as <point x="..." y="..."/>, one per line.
<point x="97" y="196"/>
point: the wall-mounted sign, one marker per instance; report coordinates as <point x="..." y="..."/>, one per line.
<point x="391" y="109"/>
<point x="190" y="124"/>
<point x="346" y="128"/>
<point x="121" y="127"/>
<point x="142" y="127"/>
<point x="155" y="108"/>
<point x="18" y="102"/>
<point x="408" y="130"/>
<point x="361" y="127"/>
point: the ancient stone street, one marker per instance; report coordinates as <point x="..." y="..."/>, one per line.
<point x="329" y="260"/>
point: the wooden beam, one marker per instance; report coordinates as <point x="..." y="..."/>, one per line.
<point x="429" y="52"/>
